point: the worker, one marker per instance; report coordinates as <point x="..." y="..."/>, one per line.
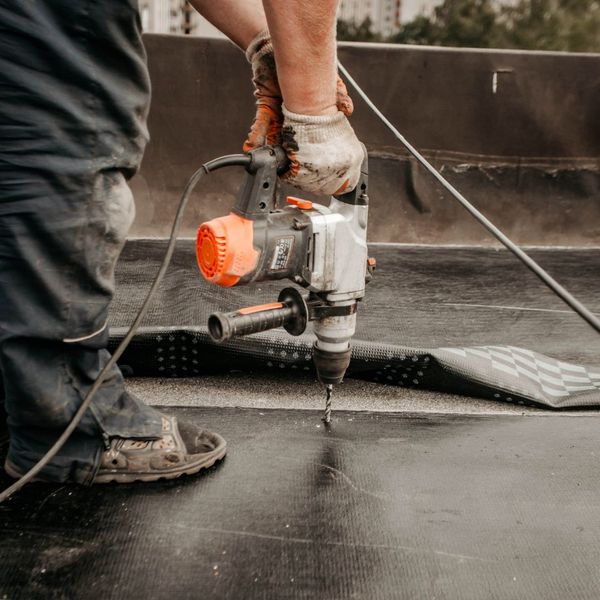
<point x="74" y="94"/>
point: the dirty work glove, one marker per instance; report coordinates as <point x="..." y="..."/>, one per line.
<point x="325" y="154"/>
<point x="266" y="128"/>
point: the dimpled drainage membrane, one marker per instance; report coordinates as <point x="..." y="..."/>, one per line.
<point x="470" y="321"/>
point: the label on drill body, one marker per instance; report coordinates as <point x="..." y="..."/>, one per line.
<point x="281" y="253"/>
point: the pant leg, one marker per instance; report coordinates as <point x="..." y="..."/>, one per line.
<point x="3" y="424"/>
<point x="57" y="256"/>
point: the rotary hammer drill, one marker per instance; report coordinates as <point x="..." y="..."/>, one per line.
<point x="322" y="249"/>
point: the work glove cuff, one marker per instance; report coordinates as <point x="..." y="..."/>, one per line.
<point x="315" y="129"/>
<point x="259" y="46"/>
<point x="325" y="154"/>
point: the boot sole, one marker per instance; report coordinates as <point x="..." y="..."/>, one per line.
<point x="207" y="461"/>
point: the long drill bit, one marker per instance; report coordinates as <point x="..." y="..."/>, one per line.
<point x="327" y="415"/>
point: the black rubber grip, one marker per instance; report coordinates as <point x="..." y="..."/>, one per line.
<point x="224" y="326"/>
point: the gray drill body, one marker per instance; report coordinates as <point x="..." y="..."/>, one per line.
<point x="338" y="268"/>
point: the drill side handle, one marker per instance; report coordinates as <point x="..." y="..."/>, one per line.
<point x="290" y="312"/>
<point x="254" y="319"/>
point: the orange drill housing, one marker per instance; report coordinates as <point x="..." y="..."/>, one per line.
<point x="225" y="249"/>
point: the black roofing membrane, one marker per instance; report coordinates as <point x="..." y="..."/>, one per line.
<point x="379" y="506"/>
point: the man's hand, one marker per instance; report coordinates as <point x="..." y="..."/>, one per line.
<point x="324" y="152"/>
<point x="266" y="128"/>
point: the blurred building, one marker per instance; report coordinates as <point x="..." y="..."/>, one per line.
<point x="388" y="15"/>
<point x="174" y="16"/>
<point x="385" y="15"/>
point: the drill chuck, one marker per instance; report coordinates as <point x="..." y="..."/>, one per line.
<point x="331" y="366"/>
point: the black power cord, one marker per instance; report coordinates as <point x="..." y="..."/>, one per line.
<point x="213" y="165"/>
<point x="558" y="289"/>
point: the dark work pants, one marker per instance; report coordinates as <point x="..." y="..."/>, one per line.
<point x="59" y="241"/>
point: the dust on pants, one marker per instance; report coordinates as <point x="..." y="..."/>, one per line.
<point x="57" y="259"/>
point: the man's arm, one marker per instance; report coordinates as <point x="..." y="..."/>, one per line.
<point x="303" y="34"/>
<point x="296" y="65"/>
<point x="325" y="154"/>
<point x="239" y="20"/>
<point x="304" y="40"/>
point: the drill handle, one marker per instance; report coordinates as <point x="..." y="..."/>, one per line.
<point x="290" y="312"/>
<point x="259" y="191"/>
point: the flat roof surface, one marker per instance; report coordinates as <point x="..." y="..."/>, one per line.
<point x="409" y="493"/>
<point x="378" y="506"/>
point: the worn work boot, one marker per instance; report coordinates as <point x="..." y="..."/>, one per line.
<point x="184" y="449"/>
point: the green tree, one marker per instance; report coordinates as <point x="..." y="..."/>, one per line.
<point x="421" y="30"/>
<point x="568" y="25"/>
<point x="468" y="23"/>
<point x="353" y="32"/>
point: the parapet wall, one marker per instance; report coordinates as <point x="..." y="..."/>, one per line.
<point x="517" y="132"/>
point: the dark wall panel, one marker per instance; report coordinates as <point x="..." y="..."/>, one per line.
<point x="518" y="133"/>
